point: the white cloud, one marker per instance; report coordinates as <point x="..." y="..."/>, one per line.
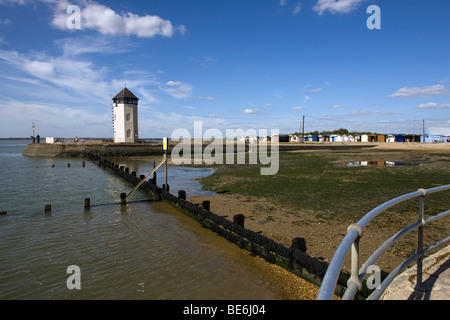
<point x="21" y="2"/>
<point x="298" y="108"/>
<point x="206" y="98"/>
<point x="250" y="111"/>
<point x="147" y="97"/>
<point x="432" y="105"/>
<point x="336" y="106"/>
<point x="361" y="112"/>
<point x="179" y="93"/>
<point x="5" y="21"/>
<point x="358" y="113"/>
<point x="182" y="29"/>
<point x="16" y="118"/>
<point x="305" y="89"/>
<point x="174" y="83"/>
<point x="283" y="3"/>
<point x="105" y="20"/>
<point x="297" y="8"/>
<point x="89" y="44"/>
<point x="76" y="75"/>
<point x="39" y="69"/>
<point x="427" y="91"/>
<point x="336" y="6"/>
<point x="254" y="106"/>
<point x="178" y="89"/>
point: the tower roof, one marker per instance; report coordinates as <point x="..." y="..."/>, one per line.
<point x="125" y="93"/>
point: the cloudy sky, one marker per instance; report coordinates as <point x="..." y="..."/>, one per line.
<point x="233" y="64"/>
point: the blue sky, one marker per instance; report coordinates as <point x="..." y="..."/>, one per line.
<point x="233" y="64"/>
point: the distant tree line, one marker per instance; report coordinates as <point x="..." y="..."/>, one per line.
<point x="341" y="131"/>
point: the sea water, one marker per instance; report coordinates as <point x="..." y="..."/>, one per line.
<point x="142" y="250"/>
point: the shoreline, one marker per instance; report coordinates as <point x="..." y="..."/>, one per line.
<point x="106" y="149"/>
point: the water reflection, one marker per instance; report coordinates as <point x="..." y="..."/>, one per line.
<point x="178" y="178"/>
<point x="144" y="251"/>
<point x="383" y="164"/>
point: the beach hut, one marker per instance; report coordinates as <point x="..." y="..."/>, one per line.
<point x="280" y="138"/>
<point x="399" y="138"/>
<point x="294" y="138"/>
<point x="364" y="138"/>
<point x="390" y="138"/>
<point x="381" y="138"/>
<point x="412" y="138"/>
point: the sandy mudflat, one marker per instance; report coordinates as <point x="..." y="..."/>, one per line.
<point x="415" y="146"/>
<point x="278" y="227"/>
<point x="323" y="237"/>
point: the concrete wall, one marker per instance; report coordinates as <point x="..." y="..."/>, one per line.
<point x="80" y="149"/>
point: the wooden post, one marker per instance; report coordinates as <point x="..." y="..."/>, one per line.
<point x="87" y="203"/>
<point x="182" y="194"/>
<point x="299" y="244"/>
<point x="239" y="220"/>
<point x="48" y="208"/>
<point x="123" y="197"/>
<point x="157" y="195"/>
<point x="206" y="205"/>
<point x="3" y="213"/>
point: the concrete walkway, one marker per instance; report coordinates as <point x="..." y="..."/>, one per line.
<point x="435" y="284"/>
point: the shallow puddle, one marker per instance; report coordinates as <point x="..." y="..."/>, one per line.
<point x="382" y="164"/>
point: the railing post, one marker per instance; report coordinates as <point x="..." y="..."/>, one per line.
<point x="354" y="277"/>
<point x="420" y="236"/>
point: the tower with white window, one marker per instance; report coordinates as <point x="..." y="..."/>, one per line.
<point x="125" y="106"/>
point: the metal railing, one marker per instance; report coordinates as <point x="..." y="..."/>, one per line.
<point x="354" y="234"/>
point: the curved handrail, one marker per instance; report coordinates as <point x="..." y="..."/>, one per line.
<point x="351" y="241"/>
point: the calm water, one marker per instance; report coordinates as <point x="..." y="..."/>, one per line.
<point x="143" y="250"/>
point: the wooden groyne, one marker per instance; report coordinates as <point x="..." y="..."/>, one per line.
<point x="294" y="258"/>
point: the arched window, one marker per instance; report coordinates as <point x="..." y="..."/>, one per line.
<point x="128" y="117"/>
<point x="128" y="133"/>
